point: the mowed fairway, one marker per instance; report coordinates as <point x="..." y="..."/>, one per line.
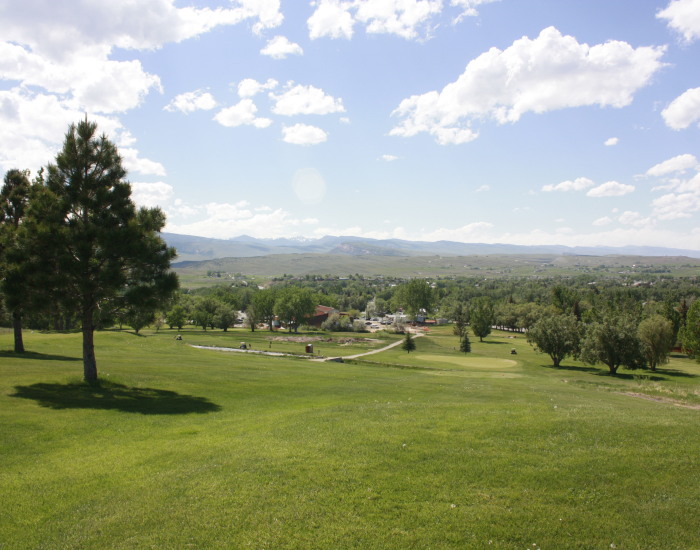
<point x="190" y="448"/>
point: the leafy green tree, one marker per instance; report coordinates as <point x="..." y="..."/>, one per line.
<point x="656" y="337"/>
<point x="109" y="253"/>
<point x="138" y="318"/>
<point x="559" y="336"/>
<point x="14" y="267"/>
<point x="177" y="316"/>
<point x="414" y="296"/>
<point x="690" y="333"/>
<point x="613" y="342"/>
<point x="264" y="304"/>
<point x="408" y="344"/>
<point x="460" y="316"/>
<point x="294" y="305"/>
<point x="481" y="316"/>
<point x="205" y="312"/>
<point x="225" y="316"/>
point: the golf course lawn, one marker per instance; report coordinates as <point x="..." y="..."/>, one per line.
<point x="180" y="447"/>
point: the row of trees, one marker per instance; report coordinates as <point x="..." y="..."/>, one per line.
<point x="615" y="340"/>
<point x="73" y="244"/>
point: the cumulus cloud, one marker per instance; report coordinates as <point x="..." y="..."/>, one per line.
<point x="34" y="124"/>
<point x="483" y="188"/>
<point x="579" y="184"/>
<point x="134" y="163"/>
<point x="389" y="158"/>
<point x="241" y="114"/>
<point x="331" y="19"/>
<point x="611" y="141"/>
<point x="305" y="100"/>
<point x="537" y="75"/>
<point x="280" y="47"/>
<point x="684" y="110"/>
<point x="600" y="222"/>
<point x="683" y="16"/>
<point x="677" y="165"/>
<point x="303" y="134"/>
<point x="60" y="29"/>
<point x="610" y="189"/>
<point x="469" y="6"/>
<point x="406" y="18"/>
<point x="674" y="206"/>
<point x="198" y="100"/>
<point x="226" y="220"/>
<point x="249" y="87"/>
<point x="151" y="194"/>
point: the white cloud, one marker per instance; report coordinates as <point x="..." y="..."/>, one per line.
<point x="305" y="100"/>
<point x="610" y="189"/>
<point x="635" y="219"/>
<point x="579" y="184"/>
<point x="151" y="194"/>
<point x="303" y="134"/>
<point x="677" y="165"/>
<point x="684" y="110"/>
<point x="401" y="17"/>
<point x="683" y="16"/>
<point x="280" y="47"/>
<point x="676" y="206"/>
<point x="332" y="19"/>
<point x="33" y="126"/>
<point x="389" y="158"/>
<point x="198" y="100"/>
<point x="241" y="114"/>
<point x="483" y="188"/>
<point x="469" y="6"/>
<point x="224" y="221"/>
<point x="548" y="73"/>
<point x="611" y="141"/>
<point x="133" y="163"/>
<point x="95" y="83"/>
<point x="58" y="30"/>
<point x="406" y="18"/>
<point x="249" y="87"/>
<point x="600" y="222"/>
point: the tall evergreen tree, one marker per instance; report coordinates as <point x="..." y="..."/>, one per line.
<point x="14" y="269"/>
<point x="108" y="253"/>
<point x="409" y="343"/>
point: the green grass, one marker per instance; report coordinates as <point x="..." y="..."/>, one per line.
<point x="186" y="448"/>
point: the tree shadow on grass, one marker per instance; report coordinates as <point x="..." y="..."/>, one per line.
<point x="573" y="368"/>
<point x="37" y="356"/>
<point x="112" y="396"/>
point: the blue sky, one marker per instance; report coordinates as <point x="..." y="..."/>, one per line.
<point x="513" y="121"/>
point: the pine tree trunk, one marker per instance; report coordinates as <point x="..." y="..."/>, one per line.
<point x="17" y="326"/>
<point x="89" y="362"/>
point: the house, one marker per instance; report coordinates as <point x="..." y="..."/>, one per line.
<point x="321" y="314"/>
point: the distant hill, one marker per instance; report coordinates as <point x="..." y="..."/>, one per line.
<point x="191" y="248"/>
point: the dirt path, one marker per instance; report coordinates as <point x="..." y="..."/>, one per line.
<point x="317" y="359"/>
<point x="393" y="345"/>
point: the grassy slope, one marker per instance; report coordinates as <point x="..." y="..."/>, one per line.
<point x="194" y="448"/>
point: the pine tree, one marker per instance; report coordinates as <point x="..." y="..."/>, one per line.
<point x="408" y="343"/>
<point x="108" y="253"/>
<point x="14" y="265"/>
<point x="465" y="345"/>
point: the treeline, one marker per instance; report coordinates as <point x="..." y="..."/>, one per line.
<point x="659" y="313"/>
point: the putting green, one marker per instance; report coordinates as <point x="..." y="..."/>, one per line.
<point x="489" y="363"/>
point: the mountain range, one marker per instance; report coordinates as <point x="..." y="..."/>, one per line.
<point x="191" y="248"/>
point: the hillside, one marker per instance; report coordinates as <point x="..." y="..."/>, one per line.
<point x="191" y="248"/>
